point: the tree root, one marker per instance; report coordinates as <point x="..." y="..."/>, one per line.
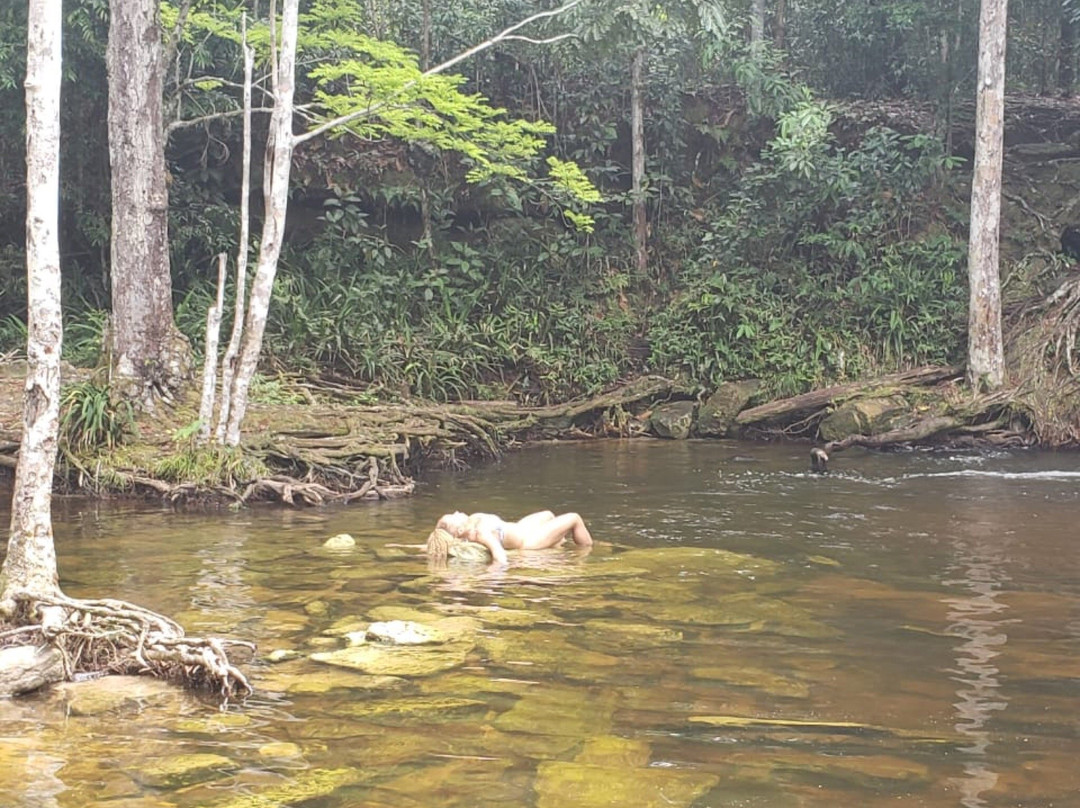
<point x="113" y="636"/>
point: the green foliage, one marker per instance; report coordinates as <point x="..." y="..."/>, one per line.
<point x="802" y="279"/>
<point x="84" y="337"/>
<point x="90" y="420"/>
<point x="208" y="466"/>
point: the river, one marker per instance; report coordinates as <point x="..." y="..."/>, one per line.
<point x="902" y="631"/>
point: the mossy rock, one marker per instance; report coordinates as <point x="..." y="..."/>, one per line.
<point x="183" y="770"/>
<point x="717" y="414"/>
<point x="674" y="420"/>
<point x="865" y="416"/>
<point x="587" y="785"/>
<point x="390" y="660"/>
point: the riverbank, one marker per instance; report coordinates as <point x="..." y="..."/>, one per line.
<point x="320" y="443"/>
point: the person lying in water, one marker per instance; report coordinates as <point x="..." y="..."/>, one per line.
<point x="537" y="531"/>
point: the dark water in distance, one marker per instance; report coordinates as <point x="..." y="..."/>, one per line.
<point x="904" y="631"/>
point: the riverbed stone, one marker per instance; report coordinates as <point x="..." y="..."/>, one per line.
<point x="673" y="420"/>
<point x="866" y="416"/>
<point x="390" y="660"/>
<point x="279" y="655"/>
<point x="588" y="785"/>
<point x="280" y="749"/>
<point x="403" y="632"/>
<point x="110" y="693"/>
<point x="717" y="414"/>
<point x="423" y="710"/>
<point x="745" y="611"/>
<point x="342" y="541"/>
<point x="707" y="560"/>
<point x="178" y="771"/>
<point x="323" y="679"/>
<point x="766" y="681"/>
<point x="619" y="637"/>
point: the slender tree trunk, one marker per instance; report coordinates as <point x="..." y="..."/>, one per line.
<point x="780" y="25"/>
<point x="149" y="356"/>
<point x="276" y="195"/>
<point x="210" y="359"/>
<point x="228" y="362"/>
<point x="757" y="25"/>
<point x="1067" y="52"/>
<point x="30" y="565"/>
<point x="986" y="364"/>
<point x="425" y="63"/>
<point x="637" y="169"/>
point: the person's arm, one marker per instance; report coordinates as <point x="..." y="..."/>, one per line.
<point x="487" y="537"/>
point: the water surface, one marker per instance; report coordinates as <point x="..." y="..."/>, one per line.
<point x="903" y="631"/>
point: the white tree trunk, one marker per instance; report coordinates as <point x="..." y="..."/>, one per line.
<point x="757" y="25"/>
<point x="637" y="160"/>
<point x="228" y="363"/>
<point x="213" y="334"/>
<point x="986" y="363"/>
<point x="276" y="194"/>
<point x="149" y="356"/>
<point x="30" y="565"/>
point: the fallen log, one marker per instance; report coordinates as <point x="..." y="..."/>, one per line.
<point x="919" y="431"/>
<point x="809" y="403"/>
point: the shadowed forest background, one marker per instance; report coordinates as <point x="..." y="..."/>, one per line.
<point x="805" y="195"/>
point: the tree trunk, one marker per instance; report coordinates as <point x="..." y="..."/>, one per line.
<point x="757" y="25"/>
<point x="228" y="362"/>
<point x="780" y="25"/>
<point x="1067" y="52"/>
<point x="637" y="170"/>
<point x="276" y="194"/>
<point x="986" y="363"/>
<point x="149" y="356"/>
<point x="30" y="565"/>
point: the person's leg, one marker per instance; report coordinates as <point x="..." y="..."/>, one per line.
<point x="536" y="518"/>
<point x="551" y="532"/>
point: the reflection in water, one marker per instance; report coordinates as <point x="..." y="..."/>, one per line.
<point x="741" y="634"/>
<point x="975" y="619"/>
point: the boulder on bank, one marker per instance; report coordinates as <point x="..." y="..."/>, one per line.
<point x="674" y="420"/>
<point x="717" y="415"/>
<point x="866" y="416"/>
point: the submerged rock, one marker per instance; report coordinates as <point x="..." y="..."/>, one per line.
<point x="766" y="681"/>
<point x="403" y="632"/>
<point x="391" y="660"/>
<point x="707" y="560"/>
<point x="588" y="785"/>
<point x="418" y="710"/>
<point x="183" y="770"/>
<point x="110" y="693"/>
<point x="342" y="541"/>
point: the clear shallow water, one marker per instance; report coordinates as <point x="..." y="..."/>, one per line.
<point x="904" y="631"/>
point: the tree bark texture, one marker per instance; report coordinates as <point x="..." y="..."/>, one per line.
<point x="780" y="25"/>
<point x="1067" y="52"/>
<point x="637" y="168"/>
<point x="279" y="163"/>
<point x="210" y="362"/>
<point x="228" y="362"/>
<point x="149" y="355"/>
<point x="30" y="565"/>
<point x="757" y="25"/>
<point x="986" y="363"/>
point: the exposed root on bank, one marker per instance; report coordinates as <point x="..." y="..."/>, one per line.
<point x="115" y="637"/>
<point x="329" y="453"/>
<point x="1042" y="345"/>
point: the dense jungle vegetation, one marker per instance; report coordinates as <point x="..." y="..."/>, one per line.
<point x="804" y="193"/>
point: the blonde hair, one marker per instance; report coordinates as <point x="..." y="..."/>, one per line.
<point x="443" y="545"/>
<point x="438" y="544"/>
